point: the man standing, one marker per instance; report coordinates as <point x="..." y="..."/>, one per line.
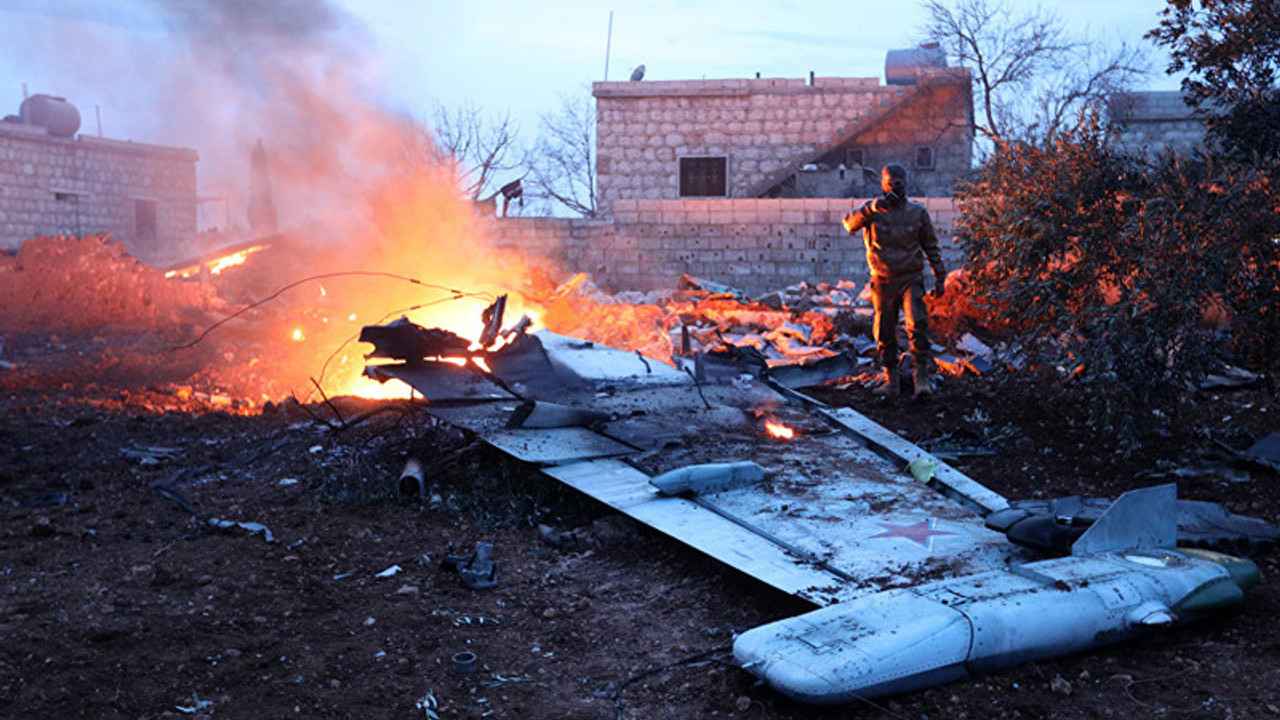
<point x="899" y="237"/>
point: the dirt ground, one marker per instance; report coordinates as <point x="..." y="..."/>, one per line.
<point x="121" y="600"/>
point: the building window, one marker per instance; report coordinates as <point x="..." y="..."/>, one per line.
<point x="924" y="157"/>
<point x="703" y="177"/>
<point x="144" y="219"/>
<point x="855" y="157"/>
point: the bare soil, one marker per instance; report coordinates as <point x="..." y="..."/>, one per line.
<point x="119" y="600"/>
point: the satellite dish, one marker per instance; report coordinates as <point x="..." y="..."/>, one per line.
<point x="638" y="74"/>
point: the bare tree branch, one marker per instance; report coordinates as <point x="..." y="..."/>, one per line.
<point x="1030" y="77"/>
<point x="563" y="167"/>
<point x="479" y="148"/>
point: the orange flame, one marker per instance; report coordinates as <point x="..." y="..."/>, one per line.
<point x="778" y="430"/>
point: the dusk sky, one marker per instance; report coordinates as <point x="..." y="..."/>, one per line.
<point x="145" y="66"/>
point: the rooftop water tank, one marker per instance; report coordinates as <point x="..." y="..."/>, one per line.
<point x="902" y="67"/>
<point x="54" y="114"/>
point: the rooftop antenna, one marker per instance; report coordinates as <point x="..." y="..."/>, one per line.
<point x="24" y="91"/>
<point x="608" y="45"/>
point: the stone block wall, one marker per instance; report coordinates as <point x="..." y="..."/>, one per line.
<point x="761" y="126"/>
<point x="756" y="244"/>
<point x="62" y="186"/>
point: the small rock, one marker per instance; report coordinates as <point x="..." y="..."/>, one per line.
<point x="1084" y="675"/>
<point x="550" y="613"/>
<point x="204" y="579"/>
<point x="742" y="704"/>
<point x="1060" y="686"/>
<point x="409" y="590"/>
<point x="232" y="652"/>
<point x="369" y="621"/>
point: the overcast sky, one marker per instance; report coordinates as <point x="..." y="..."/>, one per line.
<point x="144" y="66"/>
<point x="522" y="55"/>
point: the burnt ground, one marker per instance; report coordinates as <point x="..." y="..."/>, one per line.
<point x="121" y="601"/>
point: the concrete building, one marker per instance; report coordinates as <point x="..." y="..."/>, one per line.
<point x="53" y="182"/>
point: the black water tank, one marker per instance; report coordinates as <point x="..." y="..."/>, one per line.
<point x="54" y="114"/>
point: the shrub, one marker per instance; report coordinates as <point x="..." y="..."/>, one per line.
<point x="1109" y="263"/>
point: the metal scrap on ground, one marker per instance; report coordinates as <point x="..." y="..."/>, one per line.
<point x="886" y="539"/>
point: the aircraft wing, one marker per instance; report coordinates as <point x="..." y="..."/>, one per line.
<point x="837" y="514"/>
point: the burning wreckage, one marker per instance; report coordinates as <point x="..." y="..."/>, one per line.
<point x="907" y="560"/>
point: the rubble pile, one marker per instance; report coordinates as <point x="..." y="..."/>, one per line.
<point x="801" y="325"/>
<point x="81" y="284"/>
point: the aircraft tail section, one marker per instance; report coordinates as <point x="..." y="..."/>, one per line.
<point x="1145" y="519"/>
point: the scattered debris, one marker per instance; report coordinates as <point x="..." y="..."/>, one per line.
<point x="411" y="485"/>
<point x="1230" y="377"/>
<point x="429" y="706"/>
<point x="478" y="571"/>
<point x="464" y="663"/>
<point x="389" y="572"/>
<point x="150" y="455"/>
<point x="250" y="526"/>
<point x="1265" y="452"/>
<point x="197" y="705"/>
<point x="1060" y="686"/>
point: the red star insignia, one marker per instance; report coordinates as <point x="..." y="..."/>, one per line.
<point x="919" y="533"/>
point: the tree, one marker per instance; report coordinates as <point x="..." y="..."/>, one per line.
<point x="563" y="165"/>
<point x="1110" y="264"/>
<point x="1231" y="51"/>
<point x="1030" y="77"/>
<point x="479" y="148"/>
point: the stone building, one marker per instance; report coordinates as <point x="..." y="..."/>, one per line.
<point x="747" y="138"/>
<point x="744" y="181"/>
<point x="53" y="182"/>
<point x="1151" y="122"/>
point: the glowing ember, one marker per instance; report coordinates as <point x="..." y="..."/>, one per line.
<point x="778" y="430"/>
<point x="222" y="263"/>
<point x="217" y="265"/>
<point x="298" y="335"/>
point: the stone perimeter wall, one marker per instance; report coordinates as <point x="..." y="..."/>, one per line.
<point x="61" y="186"/>
<point x="757" y="245"/>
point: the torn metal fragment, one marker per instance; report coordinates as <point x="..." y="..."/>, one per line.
<point x="404" y="340"/>
<point x="478" y="571"/>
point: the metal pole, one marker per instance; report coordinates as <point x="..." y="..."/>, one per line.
<point x="608" y="45"/>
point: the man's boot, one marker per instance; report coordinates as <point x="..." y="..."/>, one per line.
<point x="890" y="387"/>
<point x="924" y="379"/>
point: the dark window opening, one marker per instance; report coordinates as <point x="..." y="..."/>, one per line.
<point x="144" y="219"/>
<point x="854" y="157"/>
<point x="65" y="196"/>
<point x="703" y="177"/>
<point x="924" y="157"/>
